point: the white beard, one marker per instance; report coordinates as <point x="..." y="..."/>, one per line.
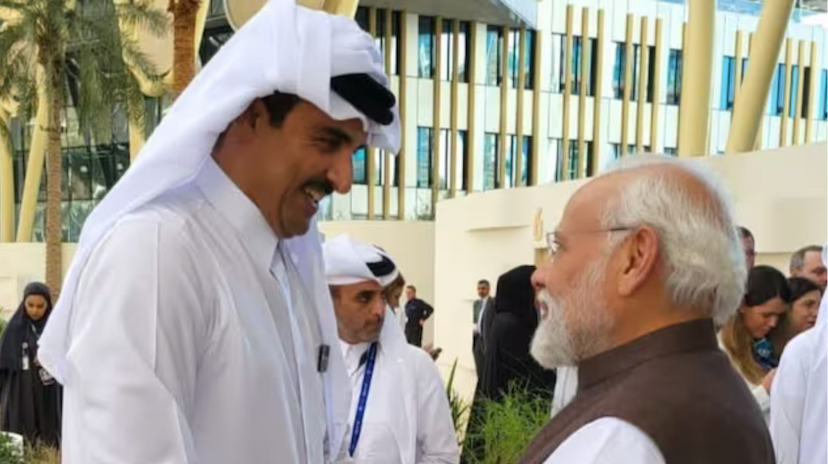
<point x="576" y="326"/>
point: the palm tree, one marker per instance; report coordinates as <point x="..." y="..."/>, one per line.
<point x="53" y="48"/>
<point x="185" y="13"/>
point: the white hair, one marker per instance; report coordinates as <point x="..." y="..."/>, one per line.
<point x="699" y="242"/>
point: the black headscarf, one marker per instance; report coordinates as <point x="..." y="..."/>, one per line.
<point x="21" y="327"/>
<point x="510" y="334"/>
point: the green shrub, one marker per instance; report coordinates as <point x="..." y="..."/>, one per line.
<point x="458" y="406"/>
<point x="508" y="425"/>
<point x="9" y="453"/>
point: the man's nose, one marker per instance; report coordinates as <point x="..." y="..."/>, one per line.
<point x="341" y="174"/>
<point x="538" y="279"/>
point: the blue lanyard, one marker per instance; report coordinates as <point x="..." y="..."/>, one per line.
<point x="363" y="396"/>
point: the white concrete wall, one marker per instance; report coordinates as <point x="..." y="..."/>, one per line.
<point x="780" y="195"/>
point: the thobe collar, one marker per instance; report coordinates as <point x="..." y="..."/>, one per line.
<point x="240" y="211"/>
<point x="353" y="355"/>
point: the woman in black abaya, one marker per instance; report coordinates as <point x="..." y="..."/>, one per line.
<point x="508" y="362"/>
<point x="29" y="397"/>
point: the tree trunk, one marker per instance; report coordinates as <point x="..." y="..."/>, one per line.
<point x="184" y="24"/>
<point x="54" y="174"/>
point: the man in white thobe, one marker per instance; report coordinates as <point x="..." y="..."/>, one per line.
<point x="399" y="411"/>
<point x="799" y="412"/>
<point x="195" y="324"/>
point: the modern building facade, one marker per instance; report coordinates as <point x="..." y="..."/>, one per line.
<point x="513" y="93"/>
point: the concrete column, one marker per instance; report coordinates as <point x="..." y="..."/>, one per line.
<point x="695" y="92"/>
<point x="642" y="89"/>
<point x="34" y="169"/>
<point x="581" y="159"/>
<point x="520" y="95"/>
<point x="6" y="180"/>
<point x="809" y="118"/>
<point x="596" y="113"/>
<point x="389" y="174"/>
<point x="455" y="79"/>
<point x="435" y="134"/>
<point x="786" y="101"/>
<point x="504" y="105"/>
<point x="472" y="107"/>
<point x="628" y="83"/>
<point x="370" y="152"/>
<point x="656" y="90"/>
<point x="567" y="89"/>
<point x="800" y="88"/>
<point x="748" y="113"/>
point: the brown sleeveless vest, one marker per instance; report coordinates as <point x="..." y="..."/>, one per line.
<point x="677" y="387"/>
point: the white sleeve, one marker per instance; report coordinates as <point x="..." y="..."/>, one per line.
<point x="607" y="441"/>
<point x="136" y="337"/>
<point x="787" y="401"/>
<point x="436" y="437"/>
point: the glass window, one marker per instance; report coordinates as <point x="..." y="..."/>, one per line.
<point x="424" y="171"/>
<point x="728" y="85"/>
<point x="491" y="147"/>
<point x="794" y="84"/>
<point x="806" y="92"/>
<point x="462" y="159"/>
<point x="361" y="17"/>
<point x="465" y="50"/>
<point x="425" y="47"/>
<point x="216" y="9"/>
<point x="379" y="167"/>
<point x="514" y="56"/>
<point x="529" y="61"/>
<point x="619" y="71"/>
<point x="396" y="44"/>
<point x="674" y="77"/>
<point x="447" y="55"/>
<point x="557" y="55"/>
<point x="494" y="52"/>
<point x="213" y="40"/>
<point x="511" y="161"/>
<point x="445" y="158"/>
<point x="651" y="59"/>
<point x="360" y="162"/>
<point x="777" y="100"/>
<point x="671" y="151"/>
<point x="526" y="155"/>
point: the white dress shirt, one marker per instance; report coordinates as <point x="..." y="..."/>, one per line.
<point x="607" y="441"/>
<point x="407" y="419"/>
<point x="187" y="349"/>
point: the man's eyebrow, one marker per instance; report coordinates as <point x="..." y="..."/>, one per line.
<point x="336" y="133"/>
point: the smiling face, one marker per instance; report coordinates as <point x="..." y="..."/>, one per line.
<point x="287" y="167"/>
<point x="360" y="310"/>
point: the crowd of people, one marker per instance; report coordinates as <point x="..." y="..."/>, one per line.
<point x="202" y="319"/>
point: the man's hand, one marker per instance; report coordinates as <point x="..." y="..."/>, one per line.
<point x="768" y="380"/>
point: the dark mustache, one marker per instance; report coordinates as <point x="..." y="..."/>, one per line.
<point x="323" y="185"/>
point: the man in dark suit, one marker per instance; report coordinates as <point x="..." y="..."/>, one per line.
<point x="417" y="312"/>
<point x="482" y="307"/>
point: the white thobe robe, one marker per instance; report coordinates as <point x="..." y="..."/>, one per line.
<point x="407" y="419"/>
<point x="799" y="409"/>
<point x="195" y="352"/>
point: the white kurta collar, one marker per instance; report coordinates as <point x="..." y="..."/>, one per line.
<point x="352" y="355"/>
<point x="232" y="204"/>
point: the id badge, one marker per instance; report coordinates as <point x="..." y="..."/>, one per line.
<point x="45" y="377"/>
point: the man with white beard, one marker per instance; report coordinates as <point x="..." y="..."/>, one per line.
<point x="644" y="260"/>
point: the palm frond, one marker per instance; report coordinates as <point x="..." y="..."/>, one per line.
<point x="21" y="7"/>
<point x="143" y="14"/>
